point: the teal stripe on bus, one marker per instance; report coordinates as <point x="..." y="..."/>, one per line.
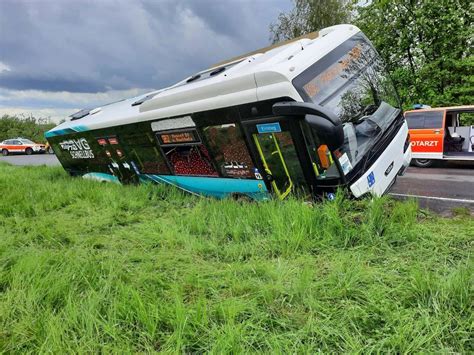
<point x="215" y="187"/>
<point x="62" y="132"/>
<point x="200" y="185"/>
<point x="101" y="177"/>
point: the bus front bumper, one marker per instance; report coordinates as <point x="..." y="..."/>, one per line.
<point x="381" y="175"/>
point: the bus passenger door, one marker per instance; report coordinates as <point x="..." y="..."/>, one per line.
<point x="274" y="144"/>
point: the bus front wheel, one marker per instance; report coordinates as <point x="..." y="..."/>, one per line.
<point x="423" y="163"/>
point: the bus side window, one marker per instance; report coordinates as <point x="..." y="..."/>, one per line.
<point x="321" y="157"/>
<point x="227" y="145"/>
<point x="141" y="149"/>
<point x="186" y="154"/>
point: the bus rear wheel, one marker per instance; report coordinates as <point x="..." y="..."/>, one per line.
<point x="423" y="163"/>
<point x="4" y="152"/>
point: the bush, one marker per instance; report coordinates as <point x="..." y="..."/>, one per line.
<point x="26" y="127"/>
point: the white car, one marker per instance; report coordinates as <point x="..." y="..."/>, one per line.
<point x="22" y="146"/>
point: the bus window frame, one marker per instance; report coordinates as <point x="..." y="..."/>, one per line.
<point x="308" y="135"/>
<point x="206" y="143"/>
<point x="201" y="141"/>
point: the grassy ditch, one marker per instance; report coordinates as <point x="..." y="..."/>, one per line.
<point x="89" y="267"/>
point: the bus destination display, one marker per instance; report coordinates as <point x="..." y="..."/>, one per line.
<point x="178" y="137"/>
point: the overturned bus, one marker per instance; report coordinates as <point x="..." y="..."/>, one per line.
<point x="309" y="115"/>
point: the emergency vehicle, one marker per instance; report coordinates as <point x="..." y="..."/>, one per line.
<point x="22" y="146"/>
<point x="443" y="133"/>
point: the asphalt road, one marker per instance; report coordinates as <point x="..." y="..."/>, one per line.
<point x="34" y="159"/>
<point x="439" y="189"/>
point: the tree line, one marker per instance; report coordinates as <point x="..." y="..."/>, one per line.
<point x="427" y="45"/>
<point x="25" y="127"/>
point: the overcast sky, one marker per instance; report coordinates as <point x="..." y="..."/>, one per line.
<point x="58" y="56"/>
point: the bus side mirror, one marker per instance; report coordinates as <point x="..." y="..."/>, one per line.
<point x="325" y="122"/>
<point x="330" y="134"/>
<point x="295" y="108"/>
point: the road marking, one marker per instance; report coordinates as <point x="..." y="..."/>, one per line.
<point x="433" y="198"/>
<point x="439" y="177"/>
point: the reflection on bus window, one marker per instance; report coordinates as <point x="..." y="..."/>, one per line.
<point x="281" y="162"/>
<point x="323" y="163"/>
<point x="321" y="157"/>
<point x="190" y="160"/>
<point x="112" y="152"/>
<point x="229" y="150"/>
<point x="353" y="86"/>
<point x="291" y="158"/>
<point x="141" y="149"/>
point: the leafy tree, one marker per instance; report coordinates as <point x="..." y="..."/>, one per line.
<point x="26" y="127"/>
<point x="309" y="16"/>
<point x="426" y="44"/>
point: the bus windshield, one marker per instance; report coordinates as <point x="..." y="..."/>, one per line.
<point x="352" y="82"/>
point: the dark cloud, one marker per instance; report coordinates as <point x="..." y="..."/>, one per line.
<point x="20" y="81"/>
<point x="95" y="46"/>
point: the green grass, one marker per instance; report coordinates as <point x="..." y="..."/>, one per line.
<point x="89" y="267"/>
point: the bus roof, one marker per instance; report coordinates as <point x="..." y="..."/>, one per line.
<point x="256" y="76"/>
<point x="447" y="108"/>
<point x="312" y="35"/>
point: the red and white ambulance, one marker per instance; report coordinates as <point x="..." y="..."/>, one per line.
<point x="443" y="133"/>
<point x="21" y="146"/>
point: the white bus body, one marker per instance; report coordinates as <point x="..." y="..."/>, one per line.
<point x="329" y="71"/>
